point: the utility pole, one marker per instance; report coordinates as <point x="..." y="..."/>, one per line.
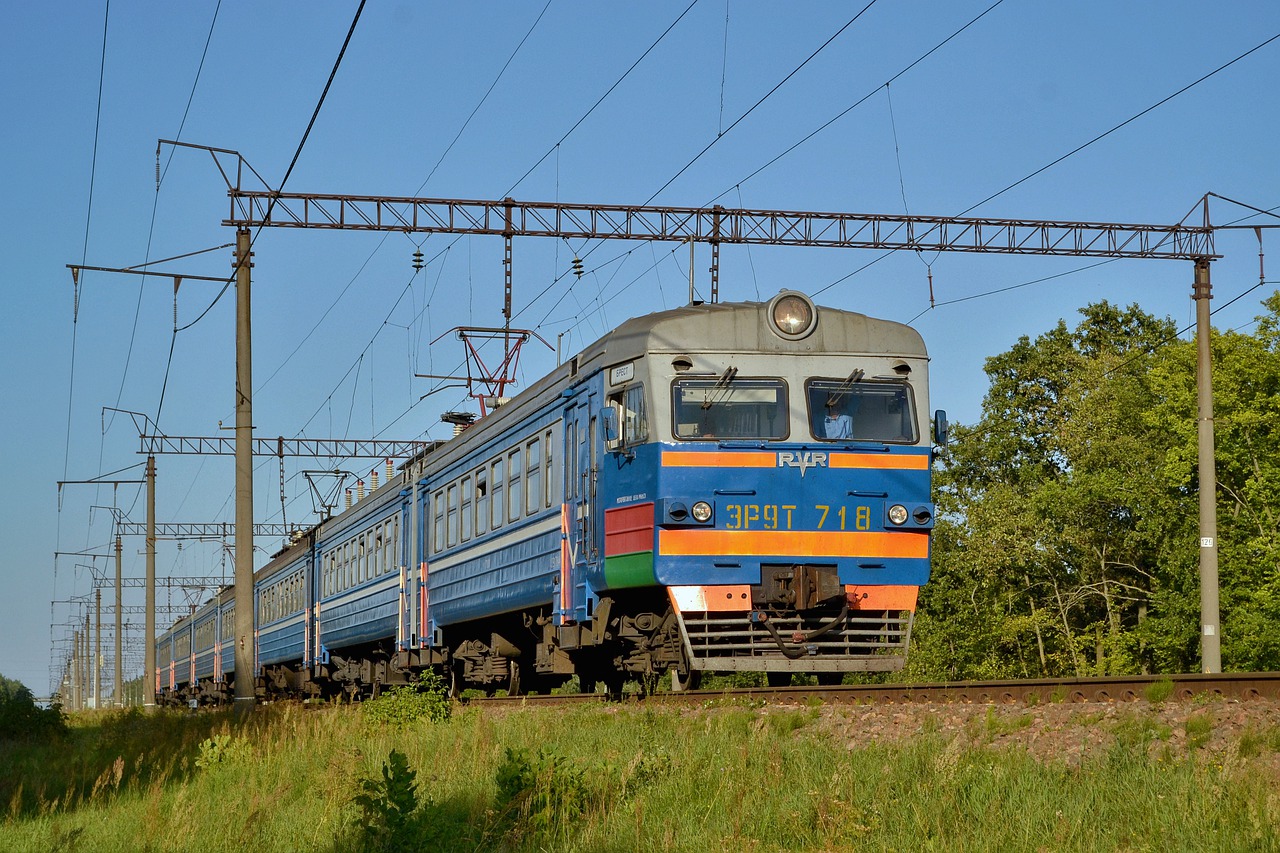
<point x="119" y="682"/>
<point x="244" y="641"/>
<point x="149" y="632"/>
<point x="1210" y="631"/>
<point x="97" y="649"/>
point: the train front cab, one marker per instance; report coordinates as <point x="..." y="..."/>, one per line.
<point x="779" y="491"/>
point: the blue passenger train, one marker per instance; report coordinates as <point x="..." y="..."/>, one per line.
<point x="715" y="488"/>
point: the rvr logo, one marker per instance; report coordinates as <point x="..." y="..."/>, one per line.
<point x="804" y="460"/>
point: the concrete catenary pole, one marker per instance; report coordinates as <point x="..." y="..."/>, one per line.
<point x="1210" y="630"/>
<point x="97" y="648"/>
<point x="244" y="642"/>
<point x="119" y="682"/>
<point x="149" y="634"/>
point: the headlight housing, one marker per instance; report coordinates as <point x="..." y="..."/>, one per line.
<point x="701" y="512"/>
<point x="792" y="315"/>
<point x="898" y="514"/>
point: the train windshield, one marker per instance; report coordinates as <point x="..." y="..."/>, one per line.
<point x="707" y="409"/>
<point x="845" y="410"/>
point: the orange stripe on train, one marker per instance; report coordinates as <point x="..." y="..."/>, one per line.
<point x="911" y="462"/>
<point x="719" y="459"/>
<point x="769" y="459"/>
<point x="792" y="543"/>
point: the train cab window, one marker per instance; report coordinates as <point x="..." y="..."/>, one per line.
<point x="841" y="410"/>
<point x="633" y="424"/>
<point x="732" y="408"/>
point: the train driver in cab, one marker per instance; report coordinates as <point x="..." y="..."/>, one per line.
<point x="837" y="423"/>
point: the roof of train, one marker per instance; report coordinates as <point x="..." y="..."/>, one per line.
<point x="744" y="326"/>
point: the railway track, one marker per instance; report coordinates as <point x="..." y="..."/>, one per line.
<point x="1245" y="686"/>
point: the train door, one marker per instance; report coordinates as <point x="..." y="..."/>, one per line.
<point x="581" y="508"/>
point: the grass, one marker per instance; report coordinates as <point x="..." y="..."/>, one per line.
<point x="612" y="778"/>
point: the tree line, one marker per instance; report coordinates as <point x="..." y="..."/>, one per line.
<point x="1067" y="541"/>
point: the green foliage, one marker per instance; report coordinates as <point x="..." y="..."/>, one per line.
<point x="1198" y="728"/>
<point x="388" y="805"/>
<point x="1159" y="690"/>
<point x="428" y="699"/>
<point x="1067" y="539"/>
<point x="610" y="778"/>
<point x="543" y="791"/>
<point x="222" y="749"/>
<point x="22" y="719"/>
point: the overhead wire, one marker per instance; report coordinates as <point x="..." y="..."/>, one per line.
<point x="763" y="98"/>
<point x="904" y="70"/>
<point x="1074" y="151"/>
<point x="1127" y="121"/>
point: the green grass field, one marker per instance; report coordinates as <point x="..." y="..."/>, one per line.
<point x="727" y="777"/>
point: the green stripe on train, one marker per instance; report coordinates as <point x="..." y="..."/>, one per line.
<point x="627" y="570"/>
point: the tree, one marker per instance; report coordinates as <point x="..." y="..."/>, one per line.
<point x="21" y="718"/>
<point x="1067" y="540"/>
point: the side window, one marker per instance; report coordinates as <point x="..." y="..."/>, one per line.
<point x="451" y="514"/>
<point x="533" y="476"/>
<point x="467" y="507"/>
<point x="499" y="507"/>
<point x="515" y="494"/>
<point x="437" y="528"/>
<point x="635" y="424"/>
<point x="571" y="460"/>
<point x="551" y="479"/>
<point x="482" y="501"/>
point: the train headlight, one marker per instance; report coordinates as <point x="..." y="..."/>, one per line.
<point x="898" y="514"/>
<point x="792" y="315"/>
<point x="701" y="512"/>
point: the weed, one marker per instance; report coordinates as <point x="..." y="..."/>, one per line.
<point x="388" y="805"/>
<point x="1137" y="733"/>
<point x="543" y="791"/>
<point x="428" y="699"/>
<point x="220" y="749"/>
<point x="1198" y="728"/>
<point x="1159" y="690"/>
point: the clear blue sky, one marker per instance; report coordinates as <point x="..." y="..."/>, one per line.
<point x="341" y="324"/>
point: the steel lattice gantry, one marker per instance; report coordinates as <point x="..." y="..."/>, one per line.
<point x="155" y="445"/>
<point x="715" y="225"/>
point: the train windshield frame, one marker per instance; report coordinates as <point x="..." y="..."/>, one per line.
<point x="737" y="408"/>
<point x="863" y="410"/>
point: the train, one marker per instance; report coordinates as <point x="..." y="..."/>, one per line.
<point x="717" y="488"/>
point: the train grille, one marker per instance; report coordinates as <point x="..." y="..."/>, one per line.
<point x="866" y="641"/>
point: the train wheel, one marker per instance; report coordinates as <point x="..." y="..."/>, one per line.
<point x="689" y="681"/>
<point x="513" y="679"/>
<point x="830" y="679"/>
<point x="778" y="679"/>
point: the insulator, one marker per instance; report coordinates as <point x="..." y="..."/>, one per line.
<point x="417" y="261"/>
<point x="391" y="469"/>
<point x="577" y="267"/>
<point x="373" y="477"/>
<point x="348" y="499"/>
<point x="359" y="490"/>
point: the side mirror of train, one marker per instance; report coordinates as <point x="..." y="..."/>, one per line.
<point x="609" y="428"/>
<point x="940" y="428"/>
